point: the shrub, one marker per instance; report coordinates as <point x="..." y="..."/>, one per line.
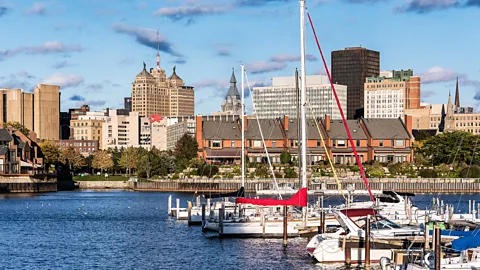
<point x="278" y="175"/>
<point x="470" y="172"/>
<point x="375" y="172"/>
<point x="290" y="173"/>
<point x="176" y="176"/>
<point x="428" y="173"/>
<point x="354" y="168"/>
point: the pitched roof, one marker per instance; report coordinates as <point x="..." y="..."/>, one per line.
<point x="337" y="130"/>
<point x="174" y="75"/>
<point x="3" y="150"/>
<point x="221" y="130"/>
<point x="312" y="131"/>
<point x="5" y="135"/>
<point x="270" y="129"/>
<point x="144" y="73"/>
<point x="386" y="128"/>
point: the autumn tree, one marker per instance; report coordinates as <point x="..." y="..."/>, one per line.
<point x="102" y="160"/>
<point x="69" y="156"/>
<point x="16" y="125"/>
<point x="50" y="153"/>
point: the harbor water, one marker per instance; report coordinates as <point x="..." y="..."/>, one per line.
<point x="131" y="230"/>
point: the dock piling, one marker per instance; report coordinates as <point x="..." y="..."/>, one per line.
<point x="178" y="206"/>
<point x="426" y="233"/>
<point x="169" y="211"/>
<point x="285" y="227"/>
<point x="189" y="209"/>
<point x="367" y="244"/>
<point x="438" y="252"/>
<point x="203" y="216"/>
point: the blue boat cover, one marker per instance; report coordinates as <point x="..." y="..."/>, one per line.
<point x="456" y="233"/>
<point x="466" y="242"/>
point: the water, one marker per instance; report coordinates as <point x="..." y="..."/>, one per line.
<point x="131" y="230"/>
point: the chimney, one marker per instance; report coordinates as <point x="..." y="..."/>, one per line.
<point x="285" y="122"/>
<point x="327" y="122"/>
<point x="408" y="123"/>
<point x="245" y="123"/>
<point x="199" y="131"/>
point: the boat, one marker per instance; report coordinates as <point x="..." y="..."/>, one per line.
<point x="330" y="247"/>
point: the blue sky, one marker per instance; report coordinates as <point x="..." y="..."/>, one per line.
<point x="94" y="48"/>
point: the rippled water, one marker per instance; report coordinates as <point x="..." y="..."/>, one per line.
<point x="131" y="230"/>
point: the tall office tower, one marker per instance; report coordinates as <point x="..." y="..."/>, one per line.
<point x="351" y="67"/>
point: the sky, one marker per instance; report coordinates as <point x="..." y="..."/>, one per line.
<point x="94" y="49"/>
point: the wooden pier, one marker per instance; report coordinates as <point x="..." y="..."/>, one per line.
<point x="437" y="185"/>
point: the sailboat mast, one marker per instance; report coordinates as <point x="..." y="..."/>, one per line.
<point x="302" y="108"/>
<point x="243" y="127"/>
<point x="303" y="94"/>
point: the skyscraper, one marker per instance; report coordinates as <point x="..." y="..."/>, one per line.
<point x="351" y="67"/>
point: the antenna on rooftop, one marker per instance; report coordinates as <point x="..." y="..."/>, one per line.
<point x="158" y="49"/>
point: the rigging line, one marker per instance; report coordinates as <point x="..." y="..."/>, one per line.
<point x="359" y="163"/>
<point x="264" y="145"/>
<point x="326" y="151"/>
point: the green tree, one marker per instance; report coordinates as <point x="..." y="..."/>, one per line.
<point x="422" y="135"/>
<point x="285" y="157"/>
<point x="450" y="147"/>
<point x="116" y="155"/>
<point x="186" y="148"/>
<point x="50" y="153"/>
<point x="68" y="156"/>
<point x="16" y="125"/>
<point x="102" y="160"/>
<point x="470" y="172"/>
<point x="129" y="159"/>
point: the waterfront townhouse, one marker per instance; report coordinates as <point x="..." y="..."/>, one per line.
<point x="19" y="154"/>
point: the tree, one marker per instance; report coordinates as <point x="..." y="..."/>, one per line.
<point x="285" y="157"/>
<point x="422" y="135"/>
<point x="16" y="125"/>
<point x="50" y="152"/>
<point x="186" y="147"/>
<point x="68" y="156"/>
<point x="116" y="155"/>
<point x="146" y="162"/>
<point x="102" y="160"/>
<point x="450" y="147"/>
<point x="129" y="159"/>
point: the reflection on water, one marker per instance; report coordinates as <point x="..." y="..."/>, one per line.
<point x="131" y="230"/>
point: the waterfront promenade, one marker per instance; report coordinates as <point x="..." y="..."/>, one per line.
<point x="434" y="185"/>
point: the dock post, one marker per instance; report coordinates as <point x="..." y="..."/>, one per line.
<point x="169" y="211"/>
<point x="437" y="248"/>
<point x="469" y="206"/>
<point x="189" y="203"/>
<point x="198" y="201"/>
<point x="178" y="207"/>
<point x="348" y="252"/>
<point x="321" y="229"/>
<point x="208" y="205"/>
<point x="203" y="217"/>
<point x="221" y="215"/>
<point x="285" y="227"/>
<point x="426" y="233"/>
<point x="367" y="244"/>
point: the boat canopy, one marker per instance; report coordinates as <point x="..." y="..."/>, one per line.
<point x="358" y="212"/>
<point x="464" y="243"/>
<point x="299" y="199"/>
<point x="238" y="193"/>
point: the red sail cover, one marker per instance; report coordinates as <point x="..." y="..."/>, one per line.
<point x="299" y="199"/>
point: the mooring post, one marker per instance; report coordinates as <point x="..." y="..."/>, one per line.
<point x="285" y="227"/>
<point x="221" y="215"/>
<point x="189" y="203"/>
<point x="426" y="232"/>
<point x="437" y="248"/>
<point x="169" y="211"/>
<point x="367" y="244"/>
<point x="178" y="207"/>
<point x="348" y="252"/>
<point x="203" y="217"/>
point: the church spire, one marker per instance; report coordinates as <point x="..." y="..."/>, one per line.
<point x="233" y="91"/>
<point x="457" y="96"/>
<point x="450" y="108"/>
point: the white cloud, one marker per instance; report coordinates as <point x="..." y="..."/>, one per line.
<point x="64" y="80"/>
<point x="36" y="9"/>
<point x="264" y="67"/>
<point x="438" y="74"/>
<point x="46" y="48"/>
<point x="281" y="58"/>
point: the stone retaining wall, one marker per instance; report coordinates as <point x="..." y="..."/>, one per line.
<point x="103" y="184"/>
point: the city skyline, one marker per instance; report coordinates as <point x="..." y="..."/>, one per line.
<point x="93" y="49"/>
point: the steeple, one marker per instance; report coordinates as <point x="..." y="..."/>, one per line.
<point x="233" y="91"/>
<point x="450" y="110"/>
<point x="457" y="96"/>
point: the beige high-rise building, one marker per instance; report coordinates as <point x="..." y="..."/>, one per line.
<point x="38" y="111"/>
<point x="154" y="93"/>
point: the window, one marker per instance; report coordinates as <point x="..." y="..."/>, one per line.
<point x="399" y="143"/>
<point x="257" y="144"/>
<point x="341" y="143"/>
<point x="380" y="143"/>
<point x="358" y="143"/>
<point x="233" y="143"/>
<point x="216" y="144"/>
<point x="274" y="144"/>
<point x="318" y="143"/>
